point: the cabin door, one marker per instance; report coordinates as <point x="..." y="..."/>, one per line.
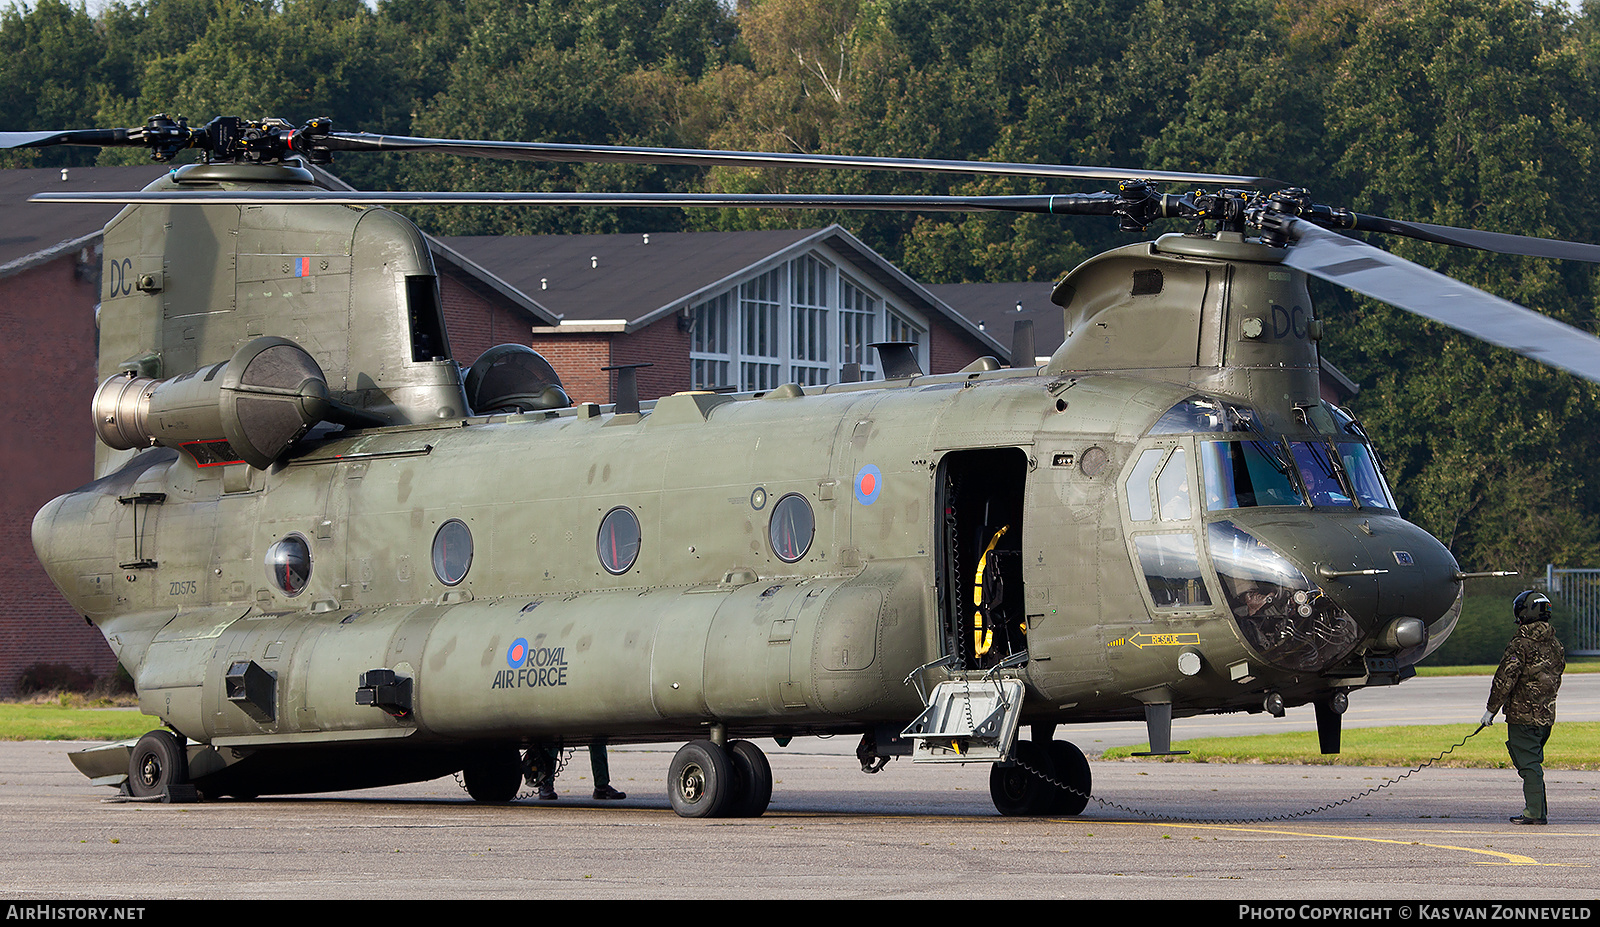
<point x="979" y="497"/>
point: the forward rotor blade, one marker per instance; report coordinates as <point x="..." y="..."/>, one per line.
<point x="1398" y="282"/>
<point x="1498" y="242"/>
<point x="552" y="151"/>
<point x="1079" y="204"/>
<point x="95" y="137"/>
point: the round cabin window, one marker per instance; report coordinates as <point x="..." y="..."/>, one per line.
<point x="452" y="552"/>
<point x="618" y="544"/>
<point x="792" y="528"/>
<point x="289" y="564"/>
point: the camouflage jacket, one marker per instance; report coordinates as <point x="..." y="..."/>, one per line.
<point x="1529" y="676"/>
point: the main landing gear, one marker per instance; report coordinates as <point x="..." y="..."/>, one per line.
<point x="710" y="781"/>
<point x="1052" y="778"/>
<point x="159" y="766"/>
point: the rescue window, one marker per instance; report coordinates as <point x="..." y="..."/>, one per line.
<point x="289" y="564"/>
<point x="792" y="528"/>
<point x="1171" y="567"/>
<point x="452" y="552"/>
<point x="618" y="543"/>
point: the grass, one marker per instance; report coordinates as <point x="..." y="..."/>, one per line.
<point x="1574" y="665"/>
<point x="1574" y="745"/>
<point x="65" y="716"/>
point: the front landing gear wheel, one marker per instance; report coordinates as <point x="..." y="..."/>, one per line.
<point x="1071" y="770"/>
<point x="159" y="761"/>
<point x="1016" y="791"/>
<point x="701" y="780"/>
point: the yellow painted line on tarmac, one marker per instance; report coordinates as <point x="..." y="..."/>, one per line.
<point x="1504" y="859"/>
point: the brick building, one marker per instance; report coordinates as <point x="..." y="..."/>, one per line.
<point x="748" y="310"/>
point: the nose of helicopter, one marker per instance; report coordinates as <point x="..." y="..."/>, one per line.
<point x="1378" y="568"/>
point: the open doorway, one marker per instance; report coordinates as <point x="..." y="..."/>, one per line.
<point x="981" y="603"/>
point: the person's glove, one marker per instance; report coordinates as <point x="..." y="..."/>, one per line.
<point x="1488" y="719"/>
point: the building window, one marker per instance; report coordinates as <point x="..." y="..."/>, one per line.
<point x="710" y="347"/>
<point x="760" y="306"/>
<point x="797" y="323"/>
<point x="858" y="316"/>
<point x="808" y="316"/>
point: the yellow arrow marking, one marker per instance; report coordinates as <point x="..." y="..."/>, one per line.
<point x="1143" y="640"/>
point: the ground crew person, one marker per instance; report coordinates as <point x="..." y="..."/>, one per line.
<point x="1525" y="685"/>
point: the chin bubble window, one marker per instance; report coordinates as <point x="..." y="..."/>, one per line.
<point x="618" y="544"/>
<point x="289" y="564"/>
<point x="452" y="552"/>
<point x="792" y="528"/>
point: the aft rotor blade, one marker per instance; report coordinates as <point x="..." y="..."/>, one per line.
<point x="1077" y="204"/>
<point x="1377" y="273"/>
<point x="553" y="151"/>
<point x="1498" y="242"/>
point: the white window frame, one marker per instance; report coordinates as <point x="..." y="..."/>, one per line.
<point x="796" y="322"/>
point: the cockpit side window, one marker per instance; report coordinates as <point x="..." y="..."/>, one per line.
<point x="1138" y="485"/>
<point x="1172" y="488"/>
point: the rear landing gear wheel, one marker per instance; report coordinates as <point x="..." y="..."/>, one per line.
<point x="752" y="781"/>
<point x="493" y="776"/>
<point x="159" y="761"/>
<point x="700" y="781"/>
<point x="1071" y="770"/>
<point x="1016" y="791"/>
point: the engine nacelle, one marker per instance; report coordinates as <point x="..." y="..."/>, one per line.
<point x="251" y="407"/>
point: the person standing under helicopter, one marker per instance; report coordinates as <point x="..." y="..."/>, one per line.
<point x="1525" y="684"/>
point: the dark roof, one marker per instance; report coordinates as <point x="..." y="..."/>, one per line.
<point x="631" y="276"/>
<point x="37" y="232"/>
<point x="636" y="278"/>
<point x="995" y="305"/>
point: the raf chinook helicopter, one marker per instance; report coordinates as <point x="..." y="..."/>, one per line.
<point x="292" y="547"/>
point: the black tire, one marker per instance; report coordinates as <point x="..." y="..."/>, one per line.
<point x="158" y="762"/>
<point x="752" y="781"/>
<point x="1016" y="792"/>
<point x="700" y="781"/>
<point x="1072" y="770"/>
<point x="493" y="776"/>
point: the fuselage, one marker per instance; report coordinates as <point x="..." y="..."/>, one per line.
<point x="780" y="564"/>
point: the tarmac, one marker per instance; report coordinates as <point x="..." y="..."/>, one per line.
<point x="1432" y="845"/>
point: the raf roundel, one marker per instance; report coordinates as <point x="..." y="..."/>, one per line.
<point x="869" y="482"/>
<point x="518" y="652"/>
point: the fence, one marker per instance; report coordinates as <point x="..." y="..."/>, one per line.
<point x="1579" y="592"/>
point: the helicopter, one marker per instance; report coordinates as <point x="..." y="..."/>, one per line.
<point x="332" y="559"/>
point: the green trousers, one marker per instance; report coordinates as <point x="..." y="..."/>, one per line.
<point x="1525" y="743"/>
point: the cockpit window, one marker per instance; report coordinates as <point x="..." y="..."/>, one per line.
<point x="1199" y="414"/>
<point x="1242" y="474"/>
<point x="1319" y="469"/>
<point x="1371" y="491"/>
